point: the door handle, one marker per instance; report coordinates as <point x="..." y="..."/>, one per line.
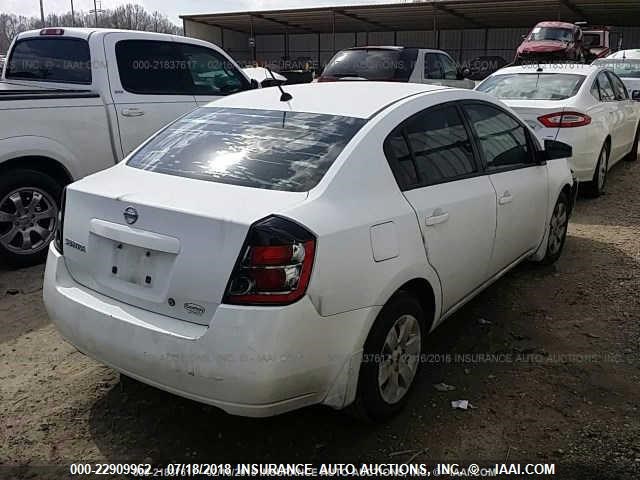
<point x="132" y="112"/>
<point x="438" y="217"/>
<point x="505" y="198"/>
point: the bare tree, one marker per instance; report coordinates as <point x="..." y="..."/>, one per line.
<point x="128" y="17"/>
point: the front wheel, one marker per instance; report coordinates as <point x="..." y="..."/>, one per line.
<point x="29" y="204"/>
<point x="557" y="230"/>
<point x="391" y="357"/>
<point x="632" y="156"/>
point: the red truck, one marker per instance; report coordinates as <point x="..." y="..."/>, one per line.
<point x="562" y="41"/>
<point x="552" y="42"/>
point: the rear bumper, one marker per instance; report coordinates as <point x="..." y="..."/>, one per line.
<point x="250" y="361"/>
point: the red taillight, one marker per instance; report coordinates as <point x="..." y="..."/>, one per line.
<point x="52" y="31"/>
<point x="565" y="120"/>
<point x="275" y="264"/>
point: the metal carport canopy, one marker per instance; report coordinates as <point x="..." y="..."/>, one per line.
<point x="428" y="15"/>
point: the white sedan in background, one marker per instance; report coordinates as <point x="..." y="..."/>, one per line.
<point x="261" y="255"/>
<point x="586" y="106"/>
<point x="628" y="69"/>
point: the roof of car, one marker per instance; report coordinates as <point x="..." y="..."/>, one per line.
<point x="556" y="24"/>
<point x="360" y="99"/>
<point x="85" y="33"/>
<point x="576" y="68"/>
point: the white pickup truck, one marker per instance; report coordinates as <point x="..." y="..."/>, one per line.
<point x="76" y="101"/>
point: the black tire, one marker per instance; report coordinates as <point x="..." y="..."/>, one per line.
<point x="632" y="156"/>
<point x="370" y="402"/>
<point x="554" y="250"/>
<point x="596" y="186"/>
<point x="15" y="226"/>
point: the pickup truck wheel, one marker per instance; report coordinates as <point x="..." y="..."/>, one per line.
<point x="557" y="230"/>
<point x="391" y="358"/>
<point x="633" y="154"/>
<point x="595" y="187"/>
<point x="29" y="204"/>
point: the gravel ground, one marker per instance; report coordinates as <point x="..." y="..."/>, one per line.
<point x="566" y="390"/>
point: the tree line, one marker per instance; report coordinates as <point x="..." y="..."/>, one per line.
<point x="127" y="17"/>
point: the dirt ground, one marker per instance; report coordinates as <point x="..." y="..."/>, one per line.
<point x="566" y="389"/>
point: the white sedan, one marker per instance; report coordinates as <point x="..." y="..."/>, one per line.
<point x="262" y="255"/>
<point x="586" y="106"/>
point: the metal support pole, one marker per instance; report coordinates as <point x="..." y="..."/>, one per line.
<point x="333" y="30"/>
<point x="395" y="38"/>
<point x="42" y="13"/>
<point x="73" y="15"/>
<point x="95" y="11"/>
<point x="486" y="41"/>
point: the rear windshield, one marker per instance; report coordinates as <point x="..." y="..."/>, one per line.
<point x="622" y="68"/>
<point x="64" y="60"/>
<point x="533" y="86"/>
<point x="254" y="148"/>
<point x="373" y="64"/>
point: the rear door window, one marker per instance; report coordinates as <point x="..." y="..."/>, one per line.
<point x="431" y="147"/>
<point x="618" y="87"/>
<point x="433" y="68"/>
<point x="275" y="150"/>
<point x="606" y="90"/>
<point x="61" y="60"/>
<point x="170" y="68"/>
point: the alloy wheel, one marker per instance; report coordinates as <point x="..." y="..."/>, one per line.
<point x="28" y="218"/>
<point x="399" y="359"/>
<point x="602" y="169"/>
<point x="558" y="226"/>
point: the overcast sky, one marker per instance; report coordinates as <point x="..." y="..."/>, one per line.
<point x="171" y="8"/>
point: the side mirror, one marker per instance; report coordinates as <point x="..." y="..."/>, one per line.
<point x="635" y="95"/>
<point x="464" y="73"/>
<point x="254" y="84"/>
<point x="554" y="150"/>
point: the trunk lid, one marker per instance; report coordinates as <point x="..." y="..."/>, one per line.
<point x="531" y="110"/>
<point x="163" y="243"/>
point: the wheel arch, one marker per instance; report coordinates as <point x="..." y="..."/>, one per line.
<point x="42" y="164"/>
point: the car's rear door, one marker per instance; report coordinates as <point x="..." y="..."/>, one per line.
<point x="615" y="117"/>
<point x="627" y="110"/>
<point x="520" y="183"/>
<point x="434" y="161"/>
<point x="149" y="82"/>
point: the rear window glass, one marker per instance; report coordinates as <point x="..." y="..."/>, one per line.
<point x="254" y="148"/>
<point x="372" y="64"/>
<point x="64" y="60"/>
<point x="533" y="86"/>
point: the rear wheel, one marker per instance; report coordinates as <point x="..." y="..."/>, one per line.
<point x="391" y="357"/>
<point x="29" y="204"/>
<point x="633" y="154"/>
<point x="595" y="187"/>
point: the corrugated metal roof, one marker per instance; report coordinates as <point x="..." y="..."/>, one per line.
<point x="443" y="14"/>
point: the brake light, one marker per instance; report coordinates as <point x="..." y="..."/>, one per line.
<point x="59" y="236"/>
<point x="274" y="267"/>
<point x="565" y="120"/>
<point x="52" y="31"/>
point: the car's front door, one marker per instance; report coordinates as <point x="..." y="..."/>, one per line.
<point x="520" y="182"/>
<point x="436" y="166"/>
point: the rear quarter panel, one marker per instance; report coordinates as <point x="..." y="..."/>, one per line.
<point x="75" y="132"/>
